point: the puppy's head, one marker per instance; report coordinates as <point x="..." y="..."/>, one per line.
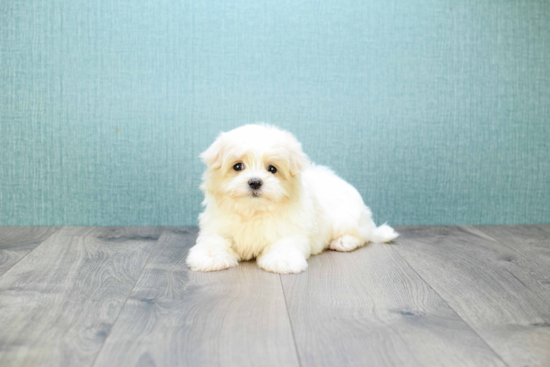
<point x="253" y="168"/>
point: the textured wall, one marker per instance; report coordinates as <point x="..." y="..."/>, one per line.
<point x="437" y="111"/>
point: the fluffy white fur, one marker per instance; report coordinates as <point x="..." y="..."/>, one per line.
<point x="299" y="211"/>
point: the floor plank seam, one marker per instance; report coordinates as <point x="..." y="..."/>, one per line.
<point x="450" y="307"/>
<point x="511" y="248"/>
<point x="24" y="256"/>
<point x="506" y="245"/>
<point x="290" y="321"/>
<point x="127" y="298"/>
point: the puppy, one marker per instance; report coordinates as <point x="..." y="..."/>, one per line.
<point x="265" y="200"/>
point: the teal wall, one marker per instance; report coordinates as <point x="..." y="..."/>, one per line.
<point x="437" y="111"/>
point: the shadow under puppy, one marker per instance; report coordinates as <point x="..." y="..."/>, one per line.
<point x="264" y="199"/>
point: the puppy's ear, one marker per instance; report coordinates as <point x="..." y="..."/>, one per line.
<point x="213" y="156"/>
<point x="298" y="160"/>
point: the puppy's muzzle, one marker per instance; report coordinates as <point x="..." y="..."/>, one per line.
<point x="255" y="183"/>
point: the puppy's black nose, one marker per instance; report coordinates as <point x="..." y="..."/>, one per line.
<point x="255" y="183"/>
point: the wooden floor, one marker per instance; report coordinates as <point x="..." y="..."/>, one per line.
<point x="123" y="296"/>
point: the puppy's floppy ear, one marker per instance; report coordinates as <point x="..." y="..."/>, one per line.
<point x="298" y="160"/>
<point x="213" y="156"/>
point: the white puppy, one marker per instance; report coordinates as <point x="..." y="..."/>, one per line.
<point x="265" y="200"/>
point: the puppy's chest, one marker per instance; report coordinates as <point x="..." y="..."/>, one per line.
<point x="251" y="237"/>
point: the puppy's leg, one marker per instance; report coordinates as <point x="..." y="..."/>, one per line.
<point x="346" y="243"/>
<point x="212" y="253"/>
<point x="287" y="255"/>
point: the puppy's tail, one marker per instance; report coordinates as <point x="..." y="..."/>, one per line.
<point x="383" y="233"/>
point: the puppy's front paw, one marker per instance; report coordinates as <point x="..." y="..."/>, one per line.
<point x="211" y="258"/>
<point x="283" y="261"/>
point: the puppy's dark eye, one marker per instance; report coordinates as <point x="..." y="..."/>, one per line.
<point x="238" y="167"/>
<point x="272" y="169"/>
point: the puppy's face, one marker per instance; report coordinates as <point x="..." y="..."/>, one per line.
<point x="253" y="168"/>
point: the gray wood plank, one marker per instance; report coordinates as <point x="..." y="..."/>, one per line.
<point x="58" y="304"/>
<point x="370" y="308"/>
<point x="489" y="285"/>
<point x="16" y="242"/>
<point x="176" y="317"/>
<point x="532" y="241"/>
<point x="544" y="227"/>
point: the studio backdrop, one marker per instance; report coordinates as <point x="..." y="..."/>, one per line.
<point x="437" y="111"/>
